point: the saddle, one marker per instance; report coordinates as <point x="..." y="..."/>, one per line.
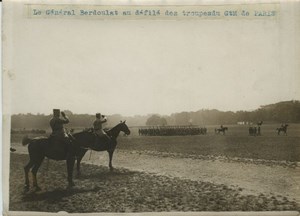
<point x="59" y="144"/>
<point x="102" y="142"/>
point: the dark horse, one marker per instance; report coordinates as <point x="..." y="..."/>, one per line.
<point x="40" y="147"/>
<point x="219" y="130"/>
<point x="86" y="140"/>
<point x="283" y="129"/>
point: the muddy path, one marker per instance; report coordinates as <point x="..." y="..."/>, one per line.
<point x="251" y="177"/>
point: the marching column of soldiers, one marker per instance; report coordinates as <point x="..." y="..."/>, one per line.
<point x="172" y="131"/>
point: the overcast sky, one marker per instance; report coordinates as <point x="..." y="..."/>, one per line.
<point x="142" y="67"/>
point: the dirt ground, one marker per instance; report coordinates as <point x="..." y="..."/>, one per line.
<point x="253" y="176"/>
<point x="152" y="182"/>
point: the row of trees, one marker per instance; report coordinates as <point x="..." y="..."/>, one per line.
<point x="288" y="112"/>
<point x="41" y="121"/>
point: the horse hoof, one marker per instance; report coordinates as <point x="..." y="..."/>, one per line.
<point x="37" y="188"/>
<point x="26" y="188"/>
<point x="70" y="185"/>
<point x="111" y="169"/>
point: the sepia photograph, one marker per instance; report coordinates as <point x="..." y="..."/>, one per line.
<point x="151" y="107"/>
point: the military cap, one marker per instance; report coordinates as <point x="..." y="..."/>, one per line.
<point x="56" y="112"/>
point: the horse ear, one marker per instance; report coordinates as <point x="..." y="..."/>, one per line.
<point x="124" y="121"/>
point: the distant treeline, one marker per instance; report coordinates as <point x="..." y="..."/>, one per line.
<point x="282" y="112"/>
<point x="41" y="121"/>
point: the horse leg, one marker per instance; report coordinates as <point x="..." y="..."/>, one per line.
<point x="78" y="174"/>
<point x="79" y="158"/>
<point x="110" y="153"/>
<point x="26" y="170"/>
<point x="70" y="166"/>
<point x="34" y="172"/>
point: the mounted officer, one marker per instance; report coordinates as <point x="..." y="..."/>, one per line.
<point x="98" y="129"/>
<point x="59" y="136"/>
<point x="57" y="123"/>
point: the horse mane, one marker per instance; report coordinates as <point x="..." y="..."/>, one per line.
<point x="91" y="130"/>
<point x="113" y="128"/>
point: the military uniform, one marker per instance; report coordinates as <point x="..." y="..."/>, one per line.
<point x="98" y="127"/>
<point x="57" y="126"/>
<point x="59" y="136"/>
<point x="98" y="130"/>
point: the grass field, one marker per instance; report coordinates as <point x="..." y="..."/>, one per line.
<point x="236" y="143"/>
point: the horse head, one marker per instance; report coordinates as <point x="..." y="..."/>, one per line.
<point x="124" y="128"/>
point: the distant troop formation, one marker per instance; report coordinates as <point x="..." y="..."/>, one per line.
<point x="195" y="130"/>
<point x="172" y="131"/>
<point x="255" y="131"/>
<point x="24" y="131"/>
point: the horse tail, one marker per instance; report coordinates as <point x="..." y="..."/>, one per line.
<point x="26" y="140"/>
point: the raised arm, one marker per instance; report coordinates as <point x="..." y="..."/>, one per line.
<point x="104" y="119"/>
<point x="65" y="119"/>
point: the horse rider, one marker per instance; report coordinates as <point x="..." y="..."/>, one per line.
<point x="98" y="129"/>
<point x="221" y="127"/>
<point x="58" y="132"/>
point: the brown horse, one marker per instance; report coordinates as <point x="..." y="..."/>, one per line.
<point x="86" y="140"/>
<point x="41" y="147"/>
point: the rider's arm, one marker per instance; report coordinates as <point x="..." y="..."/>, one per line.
<point x="104" y="120"/>
<point x="65" y="119"/>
